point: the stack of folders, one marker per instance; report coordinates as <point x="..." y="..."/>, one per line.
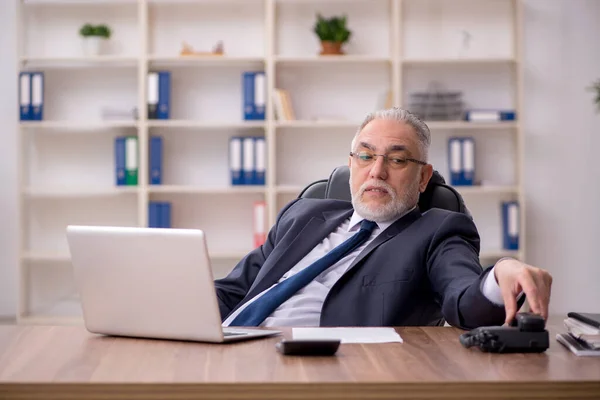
<point x="31" y="96"/>
<point x="159" y="95"/>
<point x="254" y="99"/>
<point x="247" y="160"/>
<point x="284" y="111"/>
<point x="583" y="334"/>
<point x="126" y="160"/>
<point x="490" y="115"/>
<point x="461" y="161"/>
<point x="159" y="214"/>
<point x="510" y="225"/>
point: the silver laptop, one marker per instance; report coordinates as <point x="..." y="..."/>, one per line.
<point x="149" y="282"/>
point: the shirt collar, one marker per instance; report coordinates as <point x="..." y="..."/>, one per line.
<point x="356" y="219"/>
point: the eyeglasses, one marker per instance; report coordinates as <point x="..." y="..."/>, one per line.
<point x="366" y="158"/>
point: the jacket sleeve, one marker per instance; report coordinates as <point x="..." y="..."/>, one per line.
<point x="233" y="288"/>
<point x="456" y="275"/>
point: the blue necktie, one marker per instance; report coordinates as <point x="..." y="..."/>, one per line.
<point x="259" y="310"/>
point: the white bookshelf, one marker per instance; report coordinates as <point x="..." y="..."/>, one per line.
<point x="67" y="165"/>
<point x="190" y="124"/>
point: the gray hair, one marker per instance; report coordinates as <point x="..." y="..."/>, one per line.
<point x="401" y="115"/>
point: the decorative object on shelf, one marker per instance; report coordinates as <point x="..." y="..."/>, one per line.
<point x="437" y="104"/>
<point x="188" y="50"/>
<point x="114" y="113"/>
<point x="93" y="38"/>
<point x="465" y="43"/>
<point x="596" y="88"/>
<point x="333" y="34"/>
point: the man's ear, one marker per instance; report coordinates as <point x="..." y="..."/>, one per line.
<point x="349" y="161"/>
<point x="426" y="173"/>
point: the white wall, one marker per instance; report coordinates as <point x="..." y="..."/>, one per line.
<point x="8" y="161"/>
<point x="561" y="125"/>
<point x="562" y="141"/>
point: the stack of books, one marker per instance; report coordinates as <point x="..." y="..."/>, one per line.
<point x="583" y="334"/>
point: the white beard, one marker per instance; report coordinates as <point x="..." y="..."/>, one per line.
<point x="389" y="211"/>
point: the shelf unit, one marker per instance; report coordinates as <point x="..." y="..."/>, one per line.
<point x="397" y="46"/>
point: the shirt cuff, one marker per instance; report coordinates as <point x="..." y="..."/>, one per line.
<point x="491" y="290"/>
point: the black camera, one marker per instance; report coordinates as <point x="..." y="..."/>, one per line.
<point x="526" y="334"/>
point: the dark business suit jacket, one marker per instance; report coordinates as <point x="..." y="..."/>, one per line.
<point x="421" y="270"/>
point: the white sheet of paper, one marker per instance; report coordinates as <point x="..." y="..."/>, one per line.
<point x="349" y="335"/>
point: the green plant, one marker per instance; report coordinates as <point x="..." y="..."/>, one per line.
<point x="332" y="29"/>
<point x="88" y="30"/>
<point x="596" y="88"/>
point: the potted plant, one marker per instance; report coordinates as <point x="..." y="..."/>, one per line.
<point x="332" y="33"/>
<point x="93" y="38"/>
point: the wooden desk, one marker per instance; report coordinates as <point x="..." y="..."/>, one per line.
<point x="69" y="362"/>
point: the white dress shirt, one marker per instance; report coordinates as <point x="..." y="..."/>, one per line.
<point x="304" y="307"/>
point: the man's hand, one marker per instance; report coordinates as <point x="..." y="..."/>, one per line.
<point x="515" y="277"/>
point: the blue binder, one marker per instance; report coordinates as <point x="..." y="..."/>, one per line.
<point x="154" y="215"/>
<point x="25" y="96"/>
<point x="468" y="161"/>
<point x="235" y="161"/>
<point x="455" y="164"/>
<point x="260" y="160"/>
<point x="156" y="160"/>
<point x="260" y="88"/>
<point x="254" y="102"/>
<point x="120" y="161"/>
<point x="248" y="161"/>
<point x="37" y="96"/>
<point x="490" y="115"/>
<point x="248" y="95"/>
<point x="164" y="95"/>
<point x="165" y="215"/>
<point x="152" y="95"/>
<point x="510" y="225"/>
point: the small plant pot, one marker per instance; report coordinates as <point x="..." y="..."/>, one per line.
<point x="331" y="48"/>
<point x="93" y="45"/>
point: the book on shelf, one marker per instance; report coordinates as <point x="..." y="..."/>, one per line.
<point x="254" y="99"/>
<point x="247" y="160"/>
<point x="282" y="101"/>
<point x="126" y="161"/>
<point x="159" y="214"/>
<point x="159" y="94"/>
<point x="31" y="96"/>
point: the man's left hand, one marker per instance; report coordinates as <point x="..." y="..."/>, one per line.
<point x="514" y="277"/>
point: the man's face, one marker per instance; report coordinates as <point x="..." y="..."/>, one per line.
<point x="383" y="190"/>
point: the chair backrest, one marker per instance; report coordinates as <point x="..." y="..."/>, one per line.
<point x="437" y="194"/>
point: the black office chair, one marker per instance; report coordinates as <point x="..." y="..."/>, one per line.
<point x="436" y="195"/>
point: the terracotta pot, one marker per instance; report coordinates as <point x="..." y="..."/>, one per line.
<point x="328" y="48"/>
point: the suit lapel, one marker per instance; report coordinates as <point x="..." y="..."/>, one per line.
<point x="386" y="235"/>
<point x="317" y="228"/>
